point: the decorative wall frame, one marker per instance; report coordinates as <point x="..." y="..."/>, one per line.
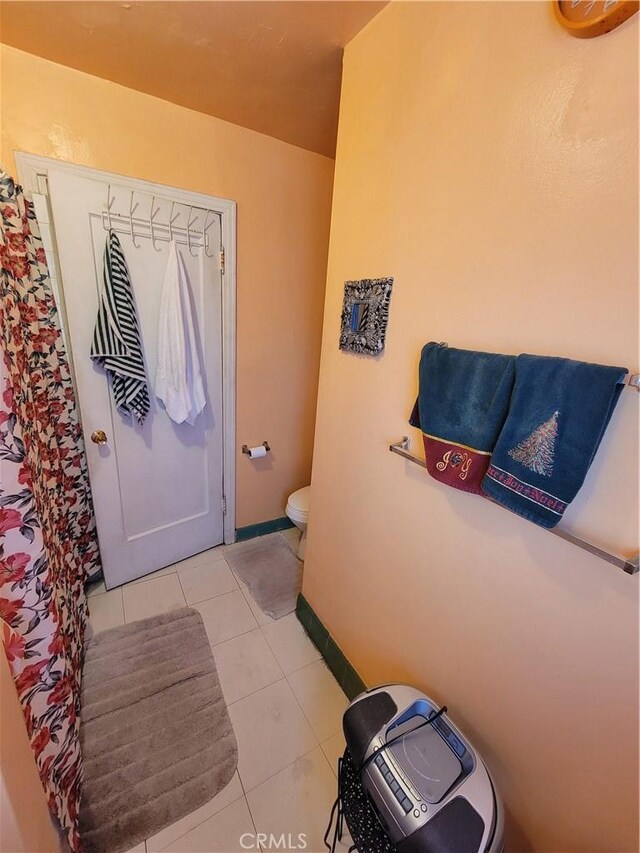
<point x="365" y="313"/>
<point x="590" y="18"/>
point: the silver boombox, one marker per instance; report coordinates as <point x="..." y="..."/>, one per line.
<point x="429" y="789"/>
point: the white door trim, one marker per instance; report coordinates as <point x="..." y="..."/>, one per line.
<point x="33" y="168"/>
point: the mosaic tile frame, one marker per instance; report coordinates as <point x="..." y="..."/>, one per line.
<point x="365" y="314"/>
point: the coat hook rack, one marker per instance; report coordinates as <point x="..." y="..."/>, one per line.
<point x="132" y="209"/>
<point x="150" y="227"/>
<point x="151" y="222"/>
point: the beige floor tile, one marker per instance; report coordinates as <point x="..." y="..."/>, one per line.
<point x="345" y="844"/>
<point x="106" y="611"/>
<point x="160" y="595"/>
<point x="209" y="556"/>
<point x="226" y="616"/>
<point x="291" y="531"/>
<point x="245" y="664"/>
<point x="290" y="644"/>
<point x="271" y="731"/>
<point x="320" y="697"/>
<point x="96" y="589"/>
<point x="206" y="580"/>
<point x="296" y="802"/>
<point x="224" y="549"/>
<point x="222" y="833"/>
<point x="292" y="534"/>
<point x="229" y="794"/>
<point x="292" y="538"/>
<point x="333" y="748"/>
<point x="262" y="618"/>
<point x="139" y="848"/>
<point x="168" y="570"/>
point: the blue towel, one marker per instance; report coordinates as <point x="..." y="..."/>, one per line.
<point x="462" y="404"/>
<point x="558" y="414"/>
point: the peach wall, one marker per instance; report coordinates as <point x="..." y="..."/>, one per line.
<point x="487" y="160"/>
<point x="284" y="198"/>
<point x="25" y="823"/>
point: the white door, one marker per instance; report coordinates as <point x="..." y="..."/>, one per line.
<point x="157" y="488"/>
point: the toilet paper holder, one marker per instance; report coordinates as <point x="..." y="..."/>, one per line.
<point x="246" y="449"/>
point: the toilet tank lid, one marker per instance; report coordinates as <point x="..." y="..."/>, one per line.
<point x="300" y="500"/>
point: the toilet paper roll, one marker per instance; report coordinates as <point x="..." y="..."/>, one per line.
<point x="257" y="452"/>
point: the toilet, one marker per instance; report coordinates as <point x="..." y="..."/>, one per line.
<point x="298" y="511"/>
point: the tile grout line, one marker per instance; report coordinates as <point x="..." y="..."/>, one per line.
<point x="281" y="770"/>
<point x="235" y="637"/>
<point x="304" y="665"/>
<point x="244" y="792"/>
<point x="150" y="577"/>
<point x="174" y="569"/>
<point x="326" y="758"/>
<point x="302" y="709"/>
<point x="90" y="595"/>
<point x="318" y="744"/>
<point x="210" y="597"/>
<point x="246" y="595"/>
<point x="281" y="677"/>
<point x="253" y="692"/>
<point x="305" y="715"/>
<point x="132" y="584"/>
<point x="195" y="826"/>
<point x="246" y="799"/>
<point x="182" y="591"/>
<point x="241" y="634"/>
<point x="124" y="614"/>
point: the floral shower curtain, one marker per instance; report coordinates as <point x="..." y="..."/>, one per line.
<point x="48" y="543"/>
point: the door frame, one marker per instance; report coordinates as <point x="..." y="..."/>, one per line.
<point x="33" y="172"/>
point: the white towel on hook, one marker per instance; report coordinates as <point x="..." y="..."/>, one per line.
<point x="178" y="380"/>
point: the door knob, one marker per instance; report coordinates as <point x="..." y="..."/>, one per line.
<point x="99" y="436"/>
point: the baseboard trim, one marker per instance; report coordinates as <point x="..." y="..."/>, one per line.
<point x="262" y="528"/>
<point x="344" y="673"/>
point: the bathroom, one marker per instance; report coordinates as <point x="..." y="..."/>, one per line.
<point x="484" y="159"/>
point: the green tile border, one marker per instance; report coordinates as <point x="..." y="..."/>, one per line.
<point x="262" y="528"/>
<point x="345" y="674"/>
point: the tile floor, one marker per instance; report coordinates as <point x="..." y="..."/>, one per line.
<point x="285" y="706"/>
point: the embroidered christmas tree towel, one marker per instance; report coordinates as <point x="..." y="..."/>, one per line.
<point x="463" y="397"/>
<point x="558" y="414"/>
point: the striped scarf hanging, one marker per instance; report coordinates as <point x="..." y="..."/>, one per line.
<point x="117" y="345"/>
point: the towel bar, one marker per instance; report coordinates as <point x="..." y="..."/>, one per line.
<point x="631" y="380"/>
<point x="630" y="565"/>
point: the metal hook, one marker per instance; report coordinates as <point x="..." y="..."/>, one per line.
<point x="189" y="224"/>
<point x="205" y="239"/>
<point x="172" y="220"/>
<point x="132" y="209"/>
<point x="153" y="233"/>
<point x="109" y="204"/>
